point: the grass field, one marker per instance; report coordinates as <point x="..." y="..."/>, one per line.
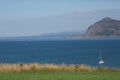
<point x="35" y="71"/>
<point x="60" y="76"/>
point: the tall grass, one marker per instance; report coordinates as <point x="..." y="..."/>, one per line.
<point x="53" y="68"/>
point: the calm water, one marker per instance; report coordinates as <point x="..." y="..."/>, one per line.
<point x="64" y="51"/>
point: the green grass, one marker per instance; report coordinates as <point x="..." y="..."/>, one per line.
<point x="59" y="75"/>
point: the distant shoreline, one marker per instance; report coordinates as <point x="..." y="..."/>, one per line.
<point x="62" y="39"/>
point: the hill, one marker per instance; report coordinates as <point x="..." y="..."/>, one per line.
<point x="107" y="27"/>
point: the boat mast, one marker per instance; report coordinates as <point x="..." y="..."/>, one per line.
<point x="100" y="55"/>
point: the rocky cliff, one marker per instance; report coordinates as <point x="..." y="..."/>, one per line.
<point x="106" y="27"/>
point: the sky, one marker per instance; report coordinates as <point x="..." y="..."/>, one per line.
<point x="36" y="17"/>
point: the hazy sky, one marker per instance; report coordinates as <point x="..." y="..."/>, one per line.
<point x="35" y="17"/>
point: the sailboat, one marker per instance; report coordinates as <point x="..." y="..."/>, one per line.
<point x="101" y="61"/>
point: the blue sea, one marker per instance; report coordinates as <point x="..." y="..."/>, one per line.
<point x="80" y="51"/>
